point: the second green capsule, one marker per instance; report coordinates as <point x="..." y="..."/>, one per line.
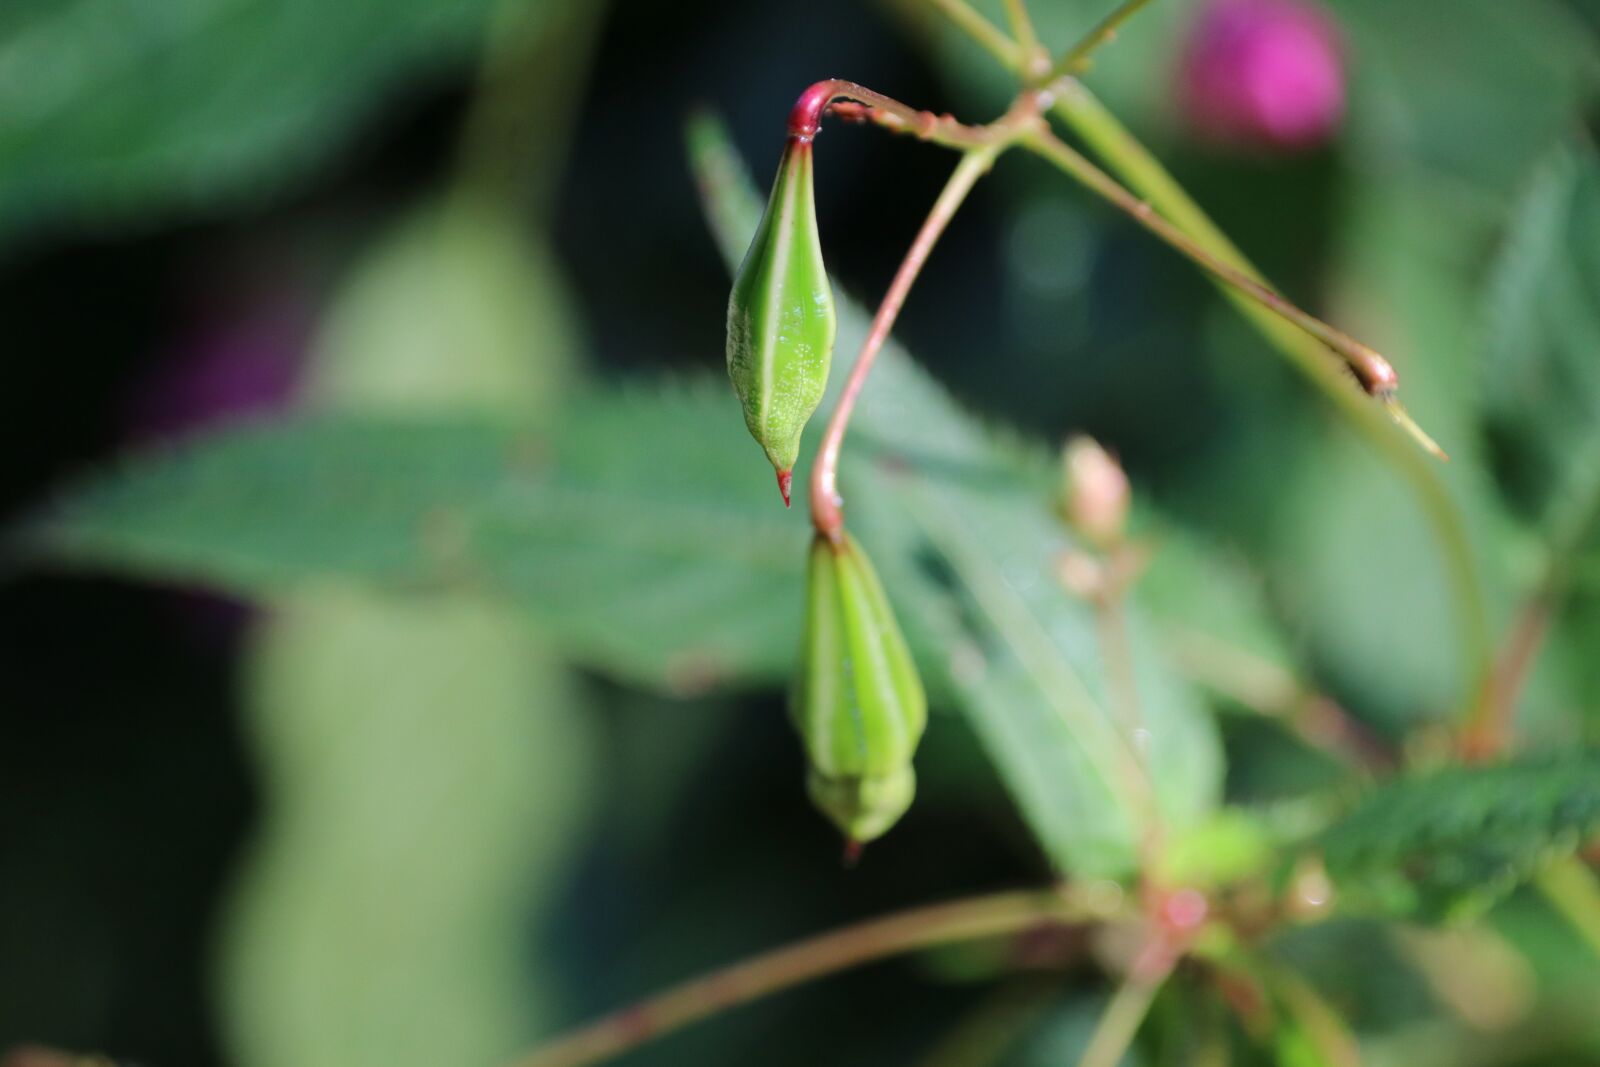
<point x="781" y="319"/>
<point x="859" y="704"/>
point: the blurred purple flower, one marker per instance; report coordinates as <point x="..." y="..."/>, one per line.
<point x="1263" y="74"/>
<point x="238" y="357"/>
<point x="239" y="362"/>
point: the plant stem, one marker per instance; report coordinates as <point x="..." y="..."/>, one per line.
<point x="963" y="920"/>
<point x="806" y="117"/>
<point x="1124" y="1013"/>
<point x="826" y="515"/>
<point x="1145" y="174"/>
<point x="518" y="128"/>
<point x="1122" y="680"/>
<point x="1319" y="1022"/>
<point x="1368" y="366"/>
<point x="981" y="30"/>
<point x="1571" y="889"/>
<point x="1021" y="26"/>
<point x="1113" y="143"/>
<point x="1035" y="59"/>
<point x="1274" y="692"/>
<point x="1076" y="59"/>
<point x="1490" y="732"/>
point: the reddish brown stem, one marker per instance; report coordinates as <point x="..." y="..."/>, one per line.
<point x="1488" y="736"/>
<point x="826" y="514"/>
<point x="1376" y="375"/>
<point x="1489" y="731"/>
<point x="963" y="920"/>
<point x="805" y="119"/>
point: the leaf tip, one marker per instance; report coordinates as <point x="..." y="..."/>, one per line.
<point x="785" y="478"/>
<point x="1403" y="419"/>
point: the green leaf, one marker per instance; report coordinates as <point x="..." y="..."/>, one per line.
<point x="1430" y="78"/>
<point x="1541" y="383"/>
<point x="1455" y="841"/>
<point x="629" y="540"/>
<point x="115" y="109"/>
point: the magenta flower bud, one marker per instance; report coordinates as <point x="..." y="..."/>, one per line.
<point x="1262" y="74"/>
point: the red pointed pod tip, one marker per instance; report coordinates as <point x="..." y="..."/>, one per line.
<point x="785" y="478"/>
<point x="852" y="853"/>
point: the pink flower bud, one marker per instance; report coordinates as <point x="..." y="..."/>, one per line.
<point x="1094" y="492"/>
<point x="1262" y="74"/>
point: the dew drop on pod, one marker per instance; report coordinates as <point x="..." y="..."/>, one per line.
<point x="858" y="704"/>
<point x="781" y="319"/>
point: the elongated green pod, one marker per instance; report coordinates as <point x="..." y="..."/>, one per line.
<point x="781" y="320"/>
<point x="859" y="703"/>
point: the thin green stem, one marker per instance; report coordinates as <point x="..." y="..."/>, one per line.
<point x="1571" y="889"/>
<point x="518" y="128"/>
<point x="1130" y="159"/>
<point x="1272" y="691"/>
<point x="1367" y="365"/>
<point x="1075" y="60"/>
<point x="1100" y="129"/>
<point x="1124" y="1014"/>
<point x="985" y="33"/>
<point x="1116" y="650"/>
<point x="993" y="915"/>
<point x="826" y="514"/>
<point x="1033" y="57"/>
<point x="1022" y="26"/>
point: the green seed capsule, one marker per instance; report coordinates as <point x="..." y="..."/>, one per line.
<point x="780" y="317"/>
<point x="858" y="704"/>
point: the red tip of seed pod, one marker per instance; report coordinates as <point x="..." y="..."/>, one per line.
<point x="806" y="118"/>
<point x="784" y="478"/>
<point x="852" y="853"/>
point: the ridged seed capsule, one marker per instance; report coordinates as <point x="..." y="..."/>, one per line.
<point x="859" y="703"/>
<point x="781" y="320"/>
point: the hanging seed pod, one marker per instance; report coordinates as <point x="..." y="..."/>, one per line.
<point x="858" y="704"/>
<point x="780" y="316"/>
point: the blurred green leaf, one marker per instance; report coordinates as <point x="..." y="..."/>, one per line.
<point x="1457" y="840"/>
<point x="1540" y="380"/>
<point x="382" y="920"/>
<point x="618" y="532"/>
<point x="113" y="109"/>
<point x="1357" y="563"/>
<point x="1429" y="77"/>
<point x="705" y="589"/>
<point x="641" y="536"/>
<point x="428" y="770"/>
<point x="458" y="306"/>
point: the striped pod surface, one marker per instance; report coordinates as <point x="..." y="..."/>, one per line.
<point x="859" y="703"/>
<point x="781" y="319"/>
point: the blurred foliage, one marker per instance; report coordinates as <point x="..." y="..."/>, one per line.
<point x="464" y="843"/>
<point x="427" y="774"/>
<point x="1462" y="837"/>
<point x="425" y="760"/>
<point x="117" y="111"/>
